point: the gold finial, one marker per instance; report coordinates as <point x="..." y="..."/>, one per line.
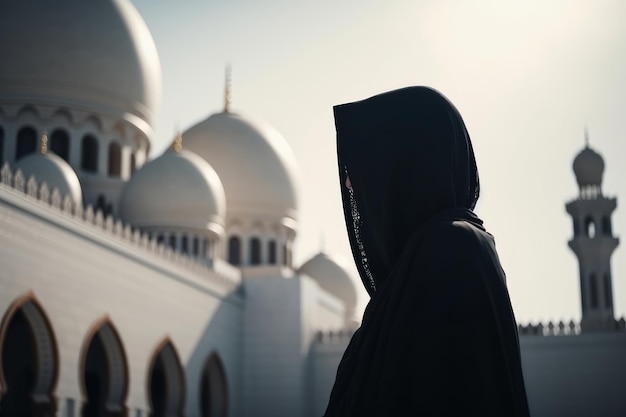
<point x="227" y="92"/>
<point x="586" y="137"/>
<point x="177" y="145"/>
<point x="43" y="144"/>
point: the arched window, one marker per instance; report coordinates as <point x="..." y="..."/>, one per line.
<point x="234" y="250"/>
<point x="608" y="293"/>
<point x="166" y="382"/>
<point x="255" y="251"/>
<point x="173" y="241"/>
<point x="26" y="142"/>
<point x="89" y="154"/>
<point x="285" y="254"/>
<point x="104" y="371"/>
<point x="1" y="146"/>
<point x="115" y="160"/>
<point x="593" y="291"/>
<point x="60" y="143"/>
<point x="271" y="252"/>
<point x="606" y="226"/>
<point x="590" y="228"/>
<point x="195" y="246"/>
<point x="184" y="247"/>
<point x="213" y="389"/>
<point x="133" y="164"/>
<point x="29" y="363"/>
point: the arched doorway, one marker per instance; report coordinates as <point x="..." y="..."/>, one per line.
<point x="29" y="361"/>
<point x="104" y="373"/>
<point x="213" y="389"/>
<point x="166" y="382"/>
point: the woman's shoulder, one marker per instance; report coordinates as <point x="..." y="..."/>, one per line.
<point x="455" y="238"/>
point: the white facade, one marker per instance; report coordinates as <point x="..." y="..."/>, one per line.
<point x="129" y="301"/>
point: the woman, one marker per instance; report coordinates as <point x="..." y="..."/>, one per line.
<point x="438" y="337"/>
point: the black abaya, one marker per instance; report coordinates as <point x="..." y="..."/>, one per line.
<point x="438" y="337"/>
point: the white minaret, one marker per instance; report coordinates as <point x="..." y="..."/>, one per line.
<point x="593" y="241"/>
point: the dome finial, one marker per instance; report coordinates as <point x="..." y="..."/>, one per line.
<point x="227" y="89"/>
<point x="586" y="137"/>
<point x="177" y="144"/>
<point x="43" y="143"/>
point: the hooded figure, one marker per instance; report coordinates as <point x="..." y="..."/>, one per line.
<point x="438" y="336"/>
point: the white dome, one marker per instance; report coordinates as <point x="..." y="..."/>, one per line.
<point x="588" y="167"/>
<point x="95" y="54"/>
<point x="331" y="273"/>
<point x="54" y="171"/>
<point x="177" y="190"/>
<point x="255" y="163"/>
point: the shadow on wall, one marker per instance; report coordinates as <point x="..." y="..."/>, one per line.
<point x="213" y="370"/>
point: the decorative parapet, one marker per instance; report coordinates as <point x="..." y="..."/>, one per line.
<point x="40" y="193"/>
<point x="562" y="329"/>
<point x="341" y="336"/>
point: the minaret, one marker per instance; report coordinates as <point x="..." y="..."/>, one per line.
<point x="593" y="241"/>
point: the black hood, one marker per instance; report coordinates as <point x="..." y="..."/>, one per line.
<point x="409" y="157"/>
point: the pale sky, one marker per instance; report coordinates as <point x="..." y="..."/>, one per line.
<point x="528" y="77"/>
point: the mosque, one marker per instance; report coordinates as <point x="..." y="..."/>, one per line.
<point x="118" y="299"/>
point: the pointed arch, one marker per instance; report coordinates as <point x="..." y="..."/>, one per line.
<point x="29" y="359"/>
<point x="166" y="381"/>
<point x="213" y="388"/>
<point x="104" y="371"/>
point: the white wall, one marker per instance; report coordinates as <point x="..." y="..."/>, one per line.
<point x="566" y="376"/>
<point x="80" y="273"/>
<point x="282" y="316"/>
<point x="327" y="352"/>
<point x="571" y="376"/>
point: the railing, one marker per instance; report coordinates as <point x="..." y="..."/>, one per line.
<point x="41" y="194"/>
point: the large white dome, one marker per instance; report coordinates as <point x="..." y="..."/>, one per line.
<point x="254" y="162"/>
<point x="96" y="55"/>
<point x="331" y="273"/>
<point x="177" y="190"/>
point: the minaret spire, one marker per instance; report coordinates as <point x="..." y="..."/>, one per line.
<point x="586" y="137"/>
<point x="227" y="88"/>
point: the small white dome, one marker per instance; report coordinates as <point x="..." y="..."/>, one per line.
<point x="177" y="190"/>
<point x="54" y="171"/>
<point x="255" y="163"/>
<point x="332" y="274"/>
<point x="588" y="167"/>
<point x="95" y="54"/>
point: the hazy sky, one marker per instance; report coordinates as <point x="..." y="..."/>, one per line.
<point x="526" y="76"/>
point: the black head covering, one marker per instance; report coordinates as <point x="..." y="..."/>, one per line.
<point x="409" y="157"/>
<point x="438" y="336"/>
